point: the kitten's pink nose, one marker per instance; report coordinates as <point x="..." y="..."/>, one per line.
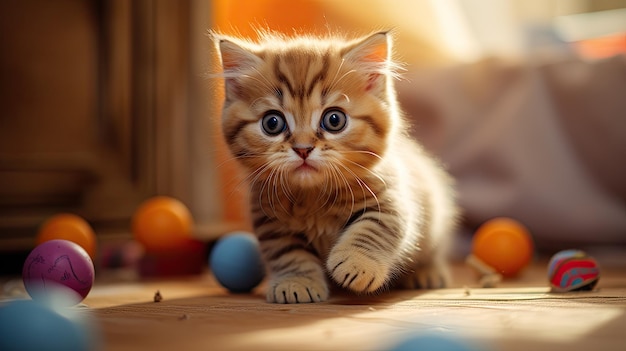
<point x="303" y="151"/>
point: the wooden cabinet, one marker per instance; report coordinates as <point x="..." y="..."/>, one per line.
<point x="103" y="104"/>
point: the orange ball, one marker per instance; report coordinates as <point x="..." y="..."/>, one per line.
<point x="67" y="226"/>
<point x="504" y="244"/>
<point x="162" y="223"/>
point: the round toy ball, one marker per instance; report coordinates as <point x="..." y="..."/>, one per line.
<point x="58" y="271"/>
<point x="431" y="342"/>
<point x="162" y="223"/>
<point x="29" y="325"/>
<point x="503" y="244"/>
<point x="70" y="227"/>
<point x="572" y="270"/>
<point x="236" y="262"/>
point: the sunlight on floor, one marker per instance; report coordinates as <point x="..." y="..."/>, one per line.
<point x="484" y="314"/>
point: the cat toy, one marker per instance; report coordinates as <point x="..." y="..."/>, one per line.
<point x="68" y="226"/>
<point x="572" y="270"/>
<point x="162" y="223"/>
<point x="31" y="325"/>
<point x="236" y="262"/>
<point x="501" y="248"/>
<point x="58" y="271"/>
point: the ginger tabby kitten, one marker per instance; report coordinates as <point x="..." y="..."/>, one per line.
<point x="338" y="189"/>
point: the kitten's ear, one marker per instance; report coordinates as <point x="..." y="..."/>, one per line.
<point x="236" y="59"/>
<point x="371" y="54"/>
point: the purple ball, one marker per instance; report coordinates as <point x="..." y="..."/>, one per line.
<point x="59" y="271"/>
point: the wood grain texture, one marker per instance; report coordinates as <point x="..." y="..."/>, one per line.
<point x="197" y="314"/>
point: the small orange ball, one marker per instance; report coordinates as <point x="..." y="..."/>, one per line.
<point x="162" y="223"/>
<point x="504" y="244"/>
<point x="68" y="226"/>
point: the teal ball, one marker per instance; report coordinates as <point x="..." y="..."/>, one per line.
<point x="236" y="262"/>
<point x="30" y="325"/>
<point x="431" y="342"/>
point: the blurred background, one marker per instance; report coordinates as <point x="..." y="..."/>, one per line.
<point x="106" y="103"/>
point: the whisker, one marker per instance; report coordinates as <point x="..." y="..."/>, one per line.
<point x="337" y="79"/>
<point x="328" y="191"/>
<point x="262" y="186"/>
<point x="332" y="82"/>
<point x="270" y="194"/>
<point x="332" y="86"/>
<point x="280" y="179"/>
<point x="364" y="187"/>
<point x="337" y="178"/>
<point x="285" y="188"/>
<point x="255" y="101"/>
<point x="241" y="157"/>
<point x="249" y="180"/>
<point x="265" y="83"/>
<point x="378" y="176"/>
<point x="371" y="153"/>
<point x="269" y="84"/>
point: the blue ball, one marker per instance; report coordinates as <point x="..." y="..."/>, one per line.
<point x="30" y="325"/>
<point x="431" y="342"/>
<point x="236" y="262"/>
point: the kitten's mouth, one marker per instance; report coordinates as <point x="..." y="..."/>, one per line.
<point x="305" y="167"/>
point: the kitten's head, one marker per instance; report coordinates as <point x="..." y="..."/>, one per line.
<point x="307" y="110"/>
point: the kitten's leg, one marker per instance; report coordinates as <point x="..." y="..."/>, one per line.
<point x="430" y="265"/>
<point x="295" y="270"/>
<point x="366" y="255"/>
<point x="431" y="275"/>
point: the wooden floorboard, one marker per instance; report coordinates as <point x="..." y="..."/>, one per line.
<point x="521" y="314"/>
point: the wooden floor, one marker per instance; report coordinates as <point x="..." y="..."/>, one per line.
<point x="196" y="314"/>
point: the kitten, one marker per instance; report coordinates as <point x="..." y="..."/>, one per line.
<point x="337" y="186"/>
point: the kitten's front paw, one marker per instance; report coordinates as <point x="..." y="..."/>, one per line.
<point x="427" y="277"/>
<point x="356" y="271"/>
<point x="297" y="289"/>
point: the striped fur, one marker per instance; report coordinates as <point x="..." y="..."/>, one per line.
<point x="364" y="206"/>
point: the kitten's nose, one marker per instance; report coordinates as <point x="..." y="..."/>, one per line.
<point x="303" y="151"/>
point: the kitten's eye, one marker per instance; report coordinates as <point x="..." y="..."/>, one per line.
<point x="334" y="120"/>
<point x="273" y="123"/>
